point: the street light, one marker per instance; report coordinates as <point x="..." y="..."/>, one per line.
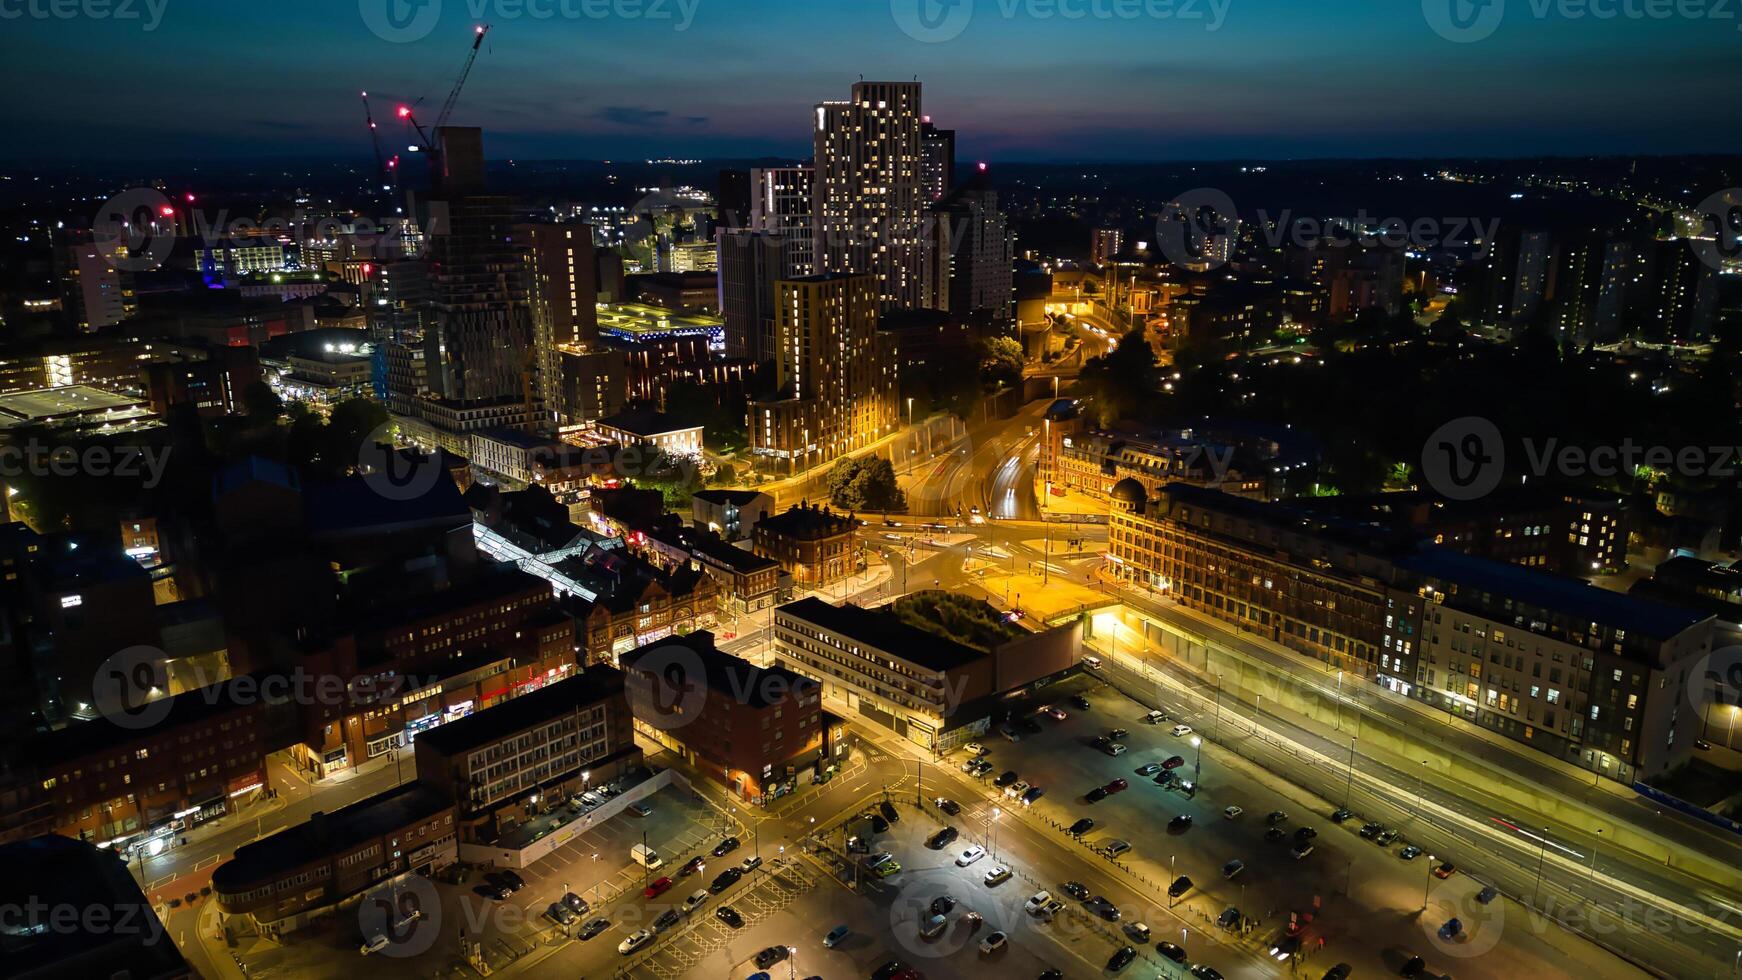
<point x="996" y="813"/>
<point x="1349" y="787"/>
<point x="1430" y="882"/>
<point x="1197" y="759"/>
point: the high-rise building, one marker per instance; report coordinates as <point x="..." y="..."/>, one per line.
<point x="94" y="292"/>
<point x="869" y="199"/>
<point x="751" y="262"/>
<point x="834" y="374"/>
<point x="937" y="162"/>
<point x="969" y="252"/>
<point x="560" y="268"/>
<point x="1106" y="243"/>
<point x="733" y="198"/>
<point x="781" y="205"/>
<point x="479" y="345"/>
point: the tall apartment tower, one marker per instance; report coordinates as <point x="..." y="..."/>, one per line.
<point x="775" y="244"/>
<point x="869" y="199"/>
<point x="969" y="254"/>
<point x="937" y="160"/>
<point x="782" y="203"/>
<point x="561" y="275"/>
<point x="1106" y="243"/>
<point x="835" y="374"/>
<point x="479" y="344"/>
<point x="95" y="293"/>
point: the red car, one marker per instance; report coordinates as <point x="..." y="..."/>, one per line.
<point x="1173" y="763"/>
<point x="657" y="888"/>
<point x="1116" y="785"/>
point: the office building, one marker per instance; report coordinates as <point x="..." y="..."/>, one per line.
<point x="564" y="293"/>
<point x="870" y="203"/>
<point x="113" y="930"/>
<point x="754" y="730"/>
<point x="834" y="373"/>
<point x="1595" y="678"/>
<point x="500" y="767"/>
<point x="479" y="345"/>
<point x="285" y="881"/>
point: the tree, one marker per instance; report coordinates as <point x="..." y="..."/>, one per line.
<point x="1001" y="361"/>
<point x="1124" y="380"/>
<point x="866" y="483"/>
<point x="263" y="404"/>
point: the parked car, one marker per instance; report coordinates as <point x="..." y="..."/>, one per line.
<point x="993" y="942"/>
<point x="1173" y="951"/>
<point x="576" y="903"/>
<point x="1121" y="959"/>
<point x="1305" y="833"/>
<point x="641" y="809"/>
<point x="1016" y="789"/>
<point x="1181" y="731"/>
<point x="512" y="879"/>
<point x="972" y="853"/>
<point x="1054" y="712"/>
<point x="636" y="940"/>
<point x="593" y="927"/>
<point x="1385" y="837"/>
<point x="1116" y="786"/>
<point x="1451" y="928"/>
<point x="1275" y="817"/>
<point x="933" y="927"/>
<point x="1115" y="847"/>
<point x="1233" y="868"/>
<point x="1301" y="849"/>
<point x="1081" y="827"/>
<point x="666" y="920"/>
<point x="1487" y="894"/>
<point x="1204" y="972"/>
<point x="942" y="839"/>
<point x="725" y="880"/>
<point x="1339" y="972"/>
<point x="975" y="748"/>
<point x="1275" y="833"/>
<point x="1148" y="769"/>
<point x="729" y="916"/>
<point x="1180" y="886"/>
<point x="1116" y="748"/>
<point x="749" y="864"/>
<point x="888" y="810"/>
<point x="1445" y="870"/>
<point x="1037" y="901"/>
<point x="1340" y="814"/>
<point x="1137" y="931"/>
<point x="656" y="889"/>
<point x="772" y="955"/>
<point x="1081" y="702"/>
<point x="1095" y="795"/>
<point x="696" y="898"/>
<point x="374" y="944"/>
<point x="1409" y="852"/>
<point x="1103" y="908"/>
<point x="1034" y="793"/>
<point x="1075" y="889"/>
<point x="1371" y="829"/>
<point x="1005" y="778"/>
<point x="943" y="905"/>
<point x="726" y="846"/>
<point x="559" y="912"/>
<point x="1230" y="813"/>
<point x="948" y="806"/>
<point x="997" y="876"/>
<point x="694" y="865"/>
<point x="1180" y="822"/>
<point x="1414" y="967"/>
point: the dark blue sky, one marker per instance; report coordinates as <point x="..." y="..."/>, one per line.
<point x="227" y="79"/>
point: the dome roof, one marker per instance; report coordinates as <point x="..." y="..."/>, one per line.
<point x="1129" y="491"/>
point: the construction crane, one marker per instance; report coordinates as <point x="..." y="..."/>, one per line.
<point x="387" y="170"/>
<point x="427" y="144"/>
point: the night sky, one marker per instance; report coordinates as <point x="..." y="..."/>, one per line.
<point x="250" y="79"/>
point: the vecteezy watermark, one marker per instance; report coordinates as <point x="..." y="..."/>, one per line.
<point x="33" y="458"/>
<point x="149" y="13"/>
<point x="403" y="21"/>
<point x="401" y="920"/>
<point x="1366" y="231"/>
<point x="35" y="915"/>
<point x="394" y="473"/>
<point x="1469" y="21"/>
<point x="1716" y="679"/>
<point x="1719" y="241"/>
<point x="132" y="687"/>
<point x="668" y="685"/>
<point x="937" y="21"/>
<point x="1197" y="229"/>
<point x="1466" y="458"/>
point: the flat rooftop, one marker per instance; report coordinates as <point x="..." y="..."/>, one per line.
<point x="886" y="632"/>
<point x="340" y="830"/>
<point x="499" y="721"/>
<point x="48" y="404"/>
<point x="635" y="319"/>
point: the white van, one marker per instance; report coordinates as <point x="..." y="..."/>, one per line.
<point x="646" y="856"/>
<point x="1093" y="663"/>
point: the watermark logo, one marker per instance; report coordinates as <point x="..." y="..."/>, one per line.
<point x="1464" y="21"/>
<point x="1196" y="230"/>
<point x="394" y="473"/>
<point x="932" y="21"/>
<point x="1464" y="459"/>
<point x="1716" y="679"/>
<point x="148" y="12"/>
<point x="37" y="459"/>
<point x="400" y="21"/>
<point x="1459" y="926"/>
<point x="131" y="688"/>
<point x="135" y="229"/>
<point x="1721" y="218"/>
<point x="913" y="915"/>
<point x="403" y="920"/>
<point x="667" y="686"/>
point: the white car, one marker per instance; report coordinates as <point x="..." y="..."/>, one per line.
<point x="1117" y="748"/>
<point x="1180" y="731"/>
<point x="374" y="944"/>
<point x="1016" y="789"/>
<point x="975" y="748"/>
<point x="997" y="876"/>
<point x="700" y="896"/>
<point x="1037" y="901"/>
<point x="636" y="940"/>
<point x="1149" y="769"/>
<point x="993" y="942"/>
<point x="1232" y="812"/>
<point x="974" y="853"/>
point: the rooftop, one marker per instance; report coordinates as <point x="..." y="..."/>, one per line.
<point x="646" y="423"/>
<point x="1586" y="603"/>
<point x="883" y="630"/>
<point x="592" y="685"/>
<point x="47" y="874"/>
<point x="723" y="673"/>
<point x="327" y="833"/>
<point x="635" y="319"/>
<point x="807" y="522"/>
<point x="734" y="498"/>
<point x="82" y="402"/>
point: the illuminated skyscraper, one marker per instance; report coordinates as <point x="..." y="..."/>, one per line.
<point x="869" y="200"/>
